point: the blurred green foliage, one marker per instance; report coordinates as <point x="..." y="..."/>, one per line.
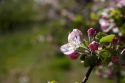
<point x="15" y="13"/>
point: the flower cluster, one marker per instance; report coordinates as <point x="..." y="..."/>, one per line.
<point x="112" y="19"/>
<point x="120" y="3"/>
<point x="72" y="48"/>
<point x="100" y="49"/>
<point x="106" y="22"/>
<point x="74" y="43"/>
<point x="105" y="71"/>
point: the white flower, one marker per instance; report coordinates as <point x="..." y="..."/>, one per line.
<point x="115" y="30"/>
<point x="74" y="42"/>
<point x="74" y="37"/>
<point x="107" y="24"/>
<point x="104" y="25"/>
<point x="121" y="3"/>
<point x="67" y="49"/>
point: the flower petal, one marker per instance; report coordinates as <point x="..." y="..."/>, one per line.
<point x="67" y="49"/>
<point x="74" y="37"/>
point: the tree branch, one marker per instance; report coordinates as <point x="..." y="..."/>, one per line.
<point x="88" y="73"/>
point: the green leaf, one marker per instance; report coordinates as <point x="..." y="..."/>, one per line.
<point x="86" y="43"/>
<point x="122" y="29"/>
<point x="115" y="12"/>
<point x="100" y="35"/>
<point x="105" y="55"/>
<point x="94" y="15"/>
<point x="90" y="60"/>
<point x="107" y="38"/>
<point x="83" y="46"/>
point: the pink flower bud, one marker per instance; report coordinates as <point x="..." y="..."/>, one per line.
<point x="74" y="55"/>
<point x="93" y="46"/>
<point x="115" y="40"/>
<point x="123" y="51"/>
<point x="115" y="59"/>
<point x="109" y="73"/>
<point x="91" y="31"/>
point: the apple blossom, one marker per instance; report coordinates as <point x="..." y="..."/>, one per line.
<point x="93" y="46"/>
<point x="74" y="42"/>
<point x="91" y="32"/>
<point x="74" y="37"/>
<point x="104" y="24"/>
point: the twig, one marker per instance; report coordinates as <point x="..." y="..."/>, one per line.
<point x="88" y="73"/>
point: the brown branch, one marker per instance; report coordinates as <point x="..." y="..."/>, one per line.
<point x="88" y="73"/>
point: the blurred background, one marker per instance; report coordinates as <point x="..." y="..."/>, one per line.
<point x="31" y="32"/>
